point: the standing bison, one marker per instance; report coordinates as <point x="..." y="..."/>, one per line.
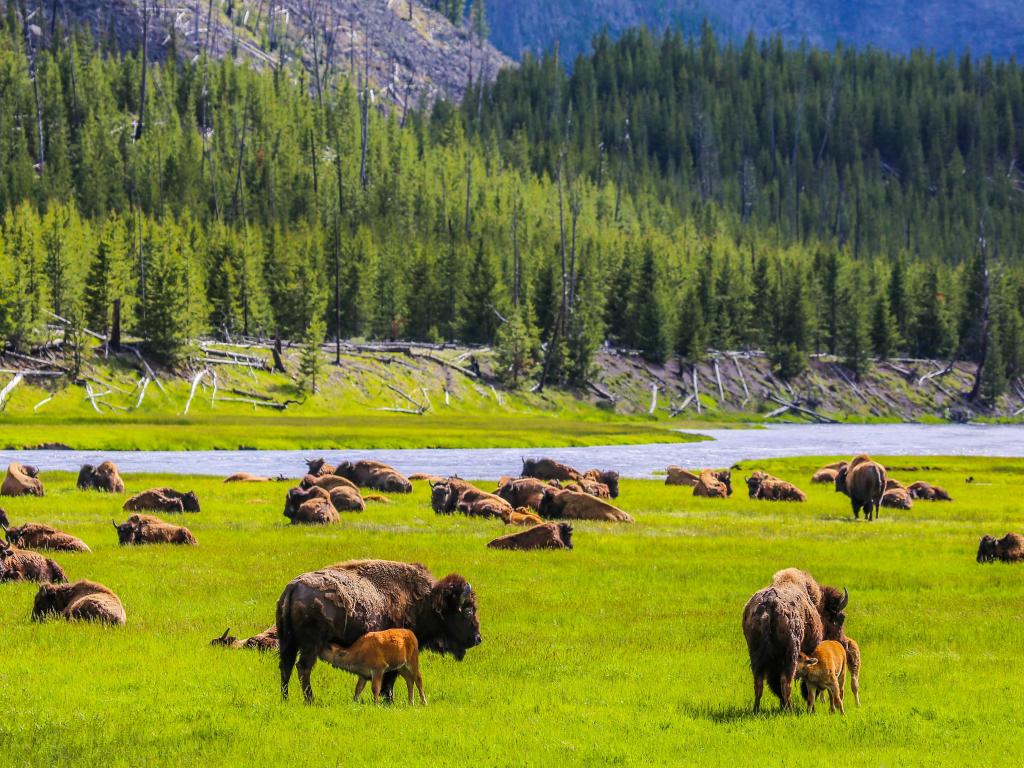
<point x="343" y="602"/>
<point x="83" y="600"/>
<point x="105" y="477"/>
<point x="1009" y="549"/>
<point x="863" y="480"/>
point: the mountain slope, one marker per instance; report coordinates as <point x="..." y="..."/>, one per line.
<point x="993" y="27"/>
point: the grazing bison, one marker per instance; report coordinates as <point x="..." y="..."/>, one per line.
<point x="83" y="600"/>
<point x="524" y="491"/>
<point x="264" y="641"/>
<point x="318" y="467"/>
<point x="39" y="536"/>
<point x="162" y="500"/>
<point x="825" y="475"/>
<point x="456" y="495"/>
<point x="22" y="565"/>
<point x="375" y="475"/>
<point x="928" y="492"/>
<point x="21" y="480"/>
<point x="343" y="602"/>
<point x="544" y="536"/>
<point x="1009" y="549"/>
<point x="896" y="496"/>
<point x="377" y="653"/>
<point x="574" y="505"/>
<point x="863" y="480"/>
<point x="146" y="529"/>
<point x="761" y="485"/>
<point x="105" y="477"/>
<point x="714" y="485"/>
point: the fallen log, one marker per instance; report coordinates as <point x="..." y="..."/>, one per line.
<point x="254" y="403"/>
<point x="696" y="393"/>
<point x="145" y="383"/>
<point x="192" y="393"/>
<point x="799" y="409"/>
<point x="41" y="403"/>
<point x="6" y="391"/>
<point x="422" y="408"/>
<point x="30" y="372"/>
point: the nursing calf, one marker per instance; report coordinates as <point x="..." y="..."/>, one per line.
<point x="375" y="654"/>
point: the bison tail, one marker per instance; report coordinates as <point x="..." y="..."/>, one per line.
<point x="288" y="647"/>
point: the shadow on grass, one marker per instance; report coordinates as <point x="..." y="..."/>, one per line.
<point x="732" y="713"/>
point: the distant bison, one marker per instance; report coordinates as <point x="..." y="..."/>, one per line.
<point x="549" y="469"/>
<point x="264" y="641"/>
<point x="83" y="600"/>
<point x="21" y="480"/>
<point x="249" y="477"/>
<point x="761" y="485"/>
<point x="146" y="529"/>
<point x="1009" y="549"/>
<point x="375" y="475"/>
<point x="545" y="536"/>
<point x="602" y="478"/>
<point x="825" y="475"/>
<point x="343" y="602"/>
<point x="318" y="467"/>
<point x="928" y="492"/>
<point x="573" y="505"/>
<point x="162" y="500"/>
<point x="524" y="491"/>
<point x="863" y="480"/>
<point x="714" y="485"/>
<point x="23" y="565"/>
<point x="39" y="536"/>
<point x="457" y="495"/>
<point x="105" y="477"/>
<point x="896" y="496"/>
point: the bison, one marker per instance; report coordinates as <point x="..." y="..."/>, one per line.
<point x="83" y="600"/>
<point x="524" y="491"/>
<point x="327" y="482"/>
<point x="549" y="469"/>
<point x="264" y="641"/>
<point x="39" y="536"/>
<point x="826" y="475"/>
<point x="896" y="496"/>
<point x="146" y="529"/>
<point x="249" y="477"/>
<point x="521" y="516"/>
<point x="23" y="565"/>
<point x="574" y="505"/>
<point x="377" y="653"/>
<point x="761" y="485"/>
<point x="544" y="536"/>
<point x="714" y="485"/>
<point x="105" y="477"/>
<point x="162" y="500"/>
<point x="679" y="476"/>
<point x="21" y="480"/>
<point x="1009" y="549"/>
<point x="318" y="467"/>
<point x="375" y="475"/>
<point x="343" y="602"/>
<point x="928" y="492"/>
<point x="863" y="480"/>
<point x="824" y="669"/>
<point x="456" y="495"/>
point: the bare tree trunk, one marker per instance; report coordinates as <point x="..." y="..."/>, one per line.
<point x="365" y="122"/>
<point x="139" y="126"/>
<point x="515" y="252"/>
<point x="30" y="53"/>
<point x="115" y="327"/>
<point x="469" y="187"/>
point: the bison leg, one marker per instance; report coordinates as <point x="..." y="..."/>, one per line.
<point x="856" y="509"/>
<point x="377" y="678"/>
<point x="288" y="651"/>
<point x="388" y="687"/>
<point x="307" y="658"/>
<point x="758" y="691"/>
<point x="407" y="675"/>
<point x="360" y="684"/>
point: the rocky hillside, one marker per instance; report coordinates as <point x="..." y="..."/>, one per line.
<point x="993" y="27"/>
<point x="411" y="53"/>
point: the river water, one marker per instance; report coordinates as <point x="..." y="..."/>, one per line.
<point x="728" y="447"/>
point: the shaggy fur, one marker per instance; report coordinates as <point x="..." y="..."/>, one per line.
<point x="146" y="529"/>
<point x="162" y="500"/>
<point x="545" y="536"/>
<point x="549" y="469"/>
<point x="524" y="491"/>
<point x="1009" y="549"/>
<point x="39" y="536"/>
<point x="375" y="475"/>
<point x="574" y="505"/>
<point x="345" y="601"/>
<point x="679" y="476"/>
<point x="761" y="485"/>
<point x="264" y="641"/>
<point x="21" y="480"/>
<point x="327" y="482"/>
<point x="105" y="477"/>
<point x="83" y="600"/>
<point x="316" y="511"/>
<point x="710" y="485"/>
<point x="863" y="480"/>
<point x="456" y="495"/>
<point x="346" y="499"/>
<point x="928" y="492"/>
<point x="896" y="496"/>
<point x="318" y="467"/>
<point x="22" y="565"/>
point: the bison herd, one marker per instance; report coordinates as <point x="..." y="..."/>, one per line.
<point x="372" y="617"/>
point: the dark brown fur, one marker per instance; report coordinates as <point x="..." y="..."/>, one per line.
<point x="318" y="467"/>
<point x="456" y="495"/>
<point x="928" y="492"/>
<point x="21" y="480"/>
<point x="264" y="641"/>
<point x="1009" y="549"/>
<point x="524" y="491"/>
<point x="39" y="536"/>
<point x="825" y="475"/>
<point x="896" y="496"/>
<point x="83" y="600"/>
<point x="761" y="485"/>
<point x="375" y="475"/>
<point x="146" y="529"/>
<point x="545" y="536"/>
<point x="23" y="565"/>
<point x="105" y="477"/>
<point x="162" y="500"/>
<point x="549" y="469"/>
<point x="863" y="480"/>
<point x="574" y="505"/>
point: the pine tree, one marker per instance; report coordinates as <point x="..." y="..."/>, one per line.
<point x="310" y="359"/>
<point x="691" y="335"/>
<point x="652" y="336"/>
<point x="517" y="349"/>
<point x="993" y="376"/>
<point x="479" y="321"/>
<point x="166" y="322"/>
<point x="854" y="343"/>
<point x="884" y="333"/>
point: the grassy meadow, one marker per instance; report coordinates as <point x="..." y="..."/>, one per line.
<point x="625" y="651"/>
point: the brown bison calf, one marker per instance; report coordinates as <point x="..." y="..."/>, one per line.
<point x="162" y="500"/>
<point x="22" y="565"/>
<point x="146" y="529"/>
<point x="264" y="641"/>
<point x="863" y="480"/>
<point x="521" y="516"/>
<point x="824" y="669"/>
<point x="928" y="492"/>
<point x="544" y="536"/>
<point x="574" y="505"/>
<point x="105" y="477"/>
<point x="375" y="654"/>
<point x="761" y="485"/>
<point x="1009" y="549"/>
<point x="896" y="496"/>
<point x="39" y="536"/>
<point x="83" y="600"/>
<point x="21" y="480"/>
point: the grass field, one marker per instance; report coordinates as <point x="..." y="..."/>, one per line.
<point x="625" y="651"/>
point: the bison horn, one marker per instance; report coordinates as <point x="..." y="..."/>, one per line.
<point x="225" y="635"/>
<point x="113" y="522"/>
<point x="466" y="592"/>
<point x="845" y="600"/>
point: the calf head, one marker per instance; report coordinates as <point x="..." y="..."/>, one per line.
<point x="449" y="622"/>
<point x="987" y="549"/>
<point x="225" y="639"/>
<point x="804" y="663"/>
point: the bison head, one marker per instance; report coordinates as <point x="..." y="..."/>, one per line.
<point x="565" y="534"/>
<point x="833" y="611"/>
<point x="315" y="465"/>
<point x="190" y="501"/>
<point x="225" y="639"/>
<point x="127" y="532"/>
<point x="610" y="478"/>
<point x="30" y="470"/>
<point x="439" y="493"/>
<point x="86" y="477"/>
<point x="841" y="474"/>
<point x="754" y="485"/>
<point x="49" y="599"/>
<point x="803" y="664"/>
<point x="725" y="476"/>
<point x="987" y="549"/>
<point x="15" y="536"/>
<point x="452" y="625"/>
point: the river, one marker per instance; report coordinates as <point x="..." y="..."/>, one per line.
<point x="639" y="461"/>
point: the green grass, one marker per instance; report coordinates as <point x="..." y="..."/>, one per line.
<point x="627" y="650"/>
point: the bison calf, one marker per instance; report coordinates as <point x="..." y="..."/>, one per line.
<point x="376" y="653"/>
<point x="823" y="670"/>
<point x="1009" y="549"/>
<point x="83" y="600"/>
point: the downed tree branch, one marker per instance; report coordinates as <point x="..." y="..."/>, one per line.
<point x="149" y="370"/>
<point x="654" y="398"/>
<point x="696" y="393"/>
<point x="192" y="393"/>
<point x="91" y="397"/>
<point x="145" y="383"/>
<point x="718" y="378"/>
<point x="254" y="403"/>
<point x="9" y="388"/>
<point x="41" y="403"/>
<point x="401" y="410"/>
<point x="30" y="372"/>
<point x="799" y="409"/>
<point x="393" y="388"/>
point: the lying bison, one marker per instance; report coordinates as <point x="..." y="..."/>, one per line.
<point x="826" y="475"/>
<point x="714" y="485"/>
<point x="146" y="529"/>
<point x="763" y="486"/>
<point x="456" y="495"/>
<point x="249" y="477"/>
<point x="162" y="500"/>
<point x="375" y="475"/>
<point x="545" y="536"/>
<point x="345" y="601"/>
<point x="105" y="477"/>
<point x="23" y="565"/>
<point x="83" y="600"/>
<point x="318" y="467"/>
<point x="896" y="496"/>
<point x="573" y="505"/>
<point x="928" y="492"/>
<point x="863" y="480"/>
<point x="597" y="482"/>
<point x="21" y="480"/>
<point x="264" y="641"/>
<point x="524" y="491"/>
<point x="39" y="536"/>
<point x="1009" y="549"/>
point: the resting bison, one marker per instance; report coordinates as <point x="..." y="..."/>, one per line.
<point x="604" y="481"/>
<point x="863" y="480"/>
<point x="105" y="477"/>
<point x="825" y="475"/>
<point x="39" y="536"/>
<point x="248" y="477"/>
<point x="327" y="482"/>
<point x="714" y="485"/>
<point x="146" y="529"/>
<point x="928" y="492"/>
<point x="22" y="565"/>
<point x="896" y="496"/>
<point x="21" y="480"/>
<point x="549" y="469"/>
<point x="791" y="616"/>
<point x="1009" y="549"/>
<point x="761" y="485"/>
<point x="456" y="495"/>
<point x="345" y="601"/>
<point x="318" y="467"/>
<point x="375" y="475"/>
<point x="573" y="505"/>
<point x="545" y="536"/>
<point x="83" y="600"/>
<point x="264" y="641"/>
<point x="162" y="500"/>
<point x="521" y="516"/>
<point x="679" y="476"/>
<point x="524" y="492"/>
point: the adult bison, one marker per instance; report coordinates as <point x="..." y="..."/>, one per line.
<point x="39" y="536"/>
<point x="545" y="536"/>
<point x="896" y="496"/>
<point x="456" y="495"/>
<point x="1009" y="549"/>
<point x="83" y="600"/>
<point x="105" y="477"/>
<point x="549" y="469"/>
<point x="863" y="480"/>
<point x="714" y="485"/>
<point x="928" y="492"/>
<point x="146" y="529"/>
<point x="318" y="467"/>
<point x="162" y="500"/>
<point x="825" y="475"/>
<point x="761" y="485"/>
<point x="343" y="602"/>
<point x="524" y="491"/>
<point x="22" y="565"/>
<point x="21" y="480"/>
<point x="375" y="475"/>
<point x="574" y="505"/>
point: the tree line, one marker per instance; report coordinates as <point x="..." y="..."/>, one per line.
<point x="218" y="199"/>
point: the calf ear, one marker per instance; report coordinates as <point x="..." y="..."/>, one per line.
<point x="811" y="661"/>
